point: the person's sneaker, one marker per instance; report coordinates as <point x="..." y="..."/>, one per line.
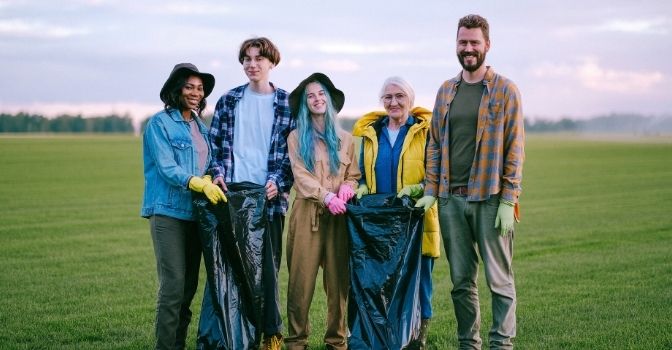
<point x="273" y="342"/>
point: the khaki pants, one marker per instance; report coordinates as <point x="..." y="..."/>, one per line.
<point x="307" y="250"/>
<point x="468" y="230"/>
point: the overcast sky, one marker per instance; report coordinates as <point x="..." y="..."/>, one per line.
<point x="568" y="58"/>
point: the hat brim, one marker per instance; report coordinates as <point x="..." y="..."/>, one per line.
<point x="208" y="81"/>
<point x="337" y="96"/>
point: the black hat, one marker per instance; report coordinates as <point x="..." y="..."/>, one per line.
<point x="186" y="69"/>
<point x="337" y="96"/>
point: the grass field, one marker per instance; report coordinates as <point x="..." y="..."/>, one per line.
<point x="593" y="255"/>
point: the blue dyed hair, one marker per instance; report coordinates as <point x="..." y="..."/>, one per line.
<point x="307" y="135"/>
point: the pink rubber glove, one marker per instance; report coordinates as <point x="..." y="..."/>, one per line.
<point x="336" y="206"/>
<point x="345" y="192"/>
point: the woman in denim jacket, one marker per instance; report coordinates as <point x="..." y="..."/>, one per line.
<point x="176" y="154"/>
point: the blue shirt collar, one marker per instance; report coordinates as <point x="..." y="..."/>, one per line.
<point x="410" y="121"/>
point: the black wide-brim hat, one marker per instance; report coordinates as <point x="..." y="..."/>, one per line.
<point x="337" y="96"/>
<point x="183" y="70"/>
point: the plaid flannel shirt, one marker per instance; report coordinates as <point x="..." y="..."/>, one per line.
<point x="500" y="140"/>
<point x="221" y="138"/>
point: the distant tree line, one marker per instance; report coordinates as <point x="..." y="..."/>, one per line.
<point x="24" y="122"/>
<point x="613" y="123"/>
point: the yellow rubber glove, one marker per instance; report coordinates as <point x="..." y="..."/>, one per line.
<point x="207" y="178"/>
<point x="361" y="190"/>
<point x="426" y="202"/>
<point x="504" y="218"/>
<point x="212" y="191"/>
<point x="413" y="191"/>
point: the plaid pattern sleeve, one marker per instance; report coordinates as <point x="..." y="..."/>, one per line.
<point x="279" y="168"/>
<point x="500" y="139"/>
<point x="437" y="143"/>
<point x="221" y="134"/>
<point x="514" y="145"/>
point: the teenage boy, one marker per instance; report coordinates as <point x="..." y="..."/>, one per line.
<point x="249" y="133"/>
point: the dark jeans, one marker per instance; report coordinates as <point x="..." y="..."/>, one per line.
<point x="272" y="255"/>
<point x="178" y="257"/>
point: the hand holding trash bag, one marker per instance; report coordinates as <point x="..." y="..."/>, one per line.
<point x="413" y="191"/>
<point x="426" y="202"/>
<point x="335" y="205"/>
<point x="212" y="191"/>
<point x="345" y="192"/>
<point x="219" y="181"/>
<point x="271" y="190"/>
<point x="361" y="191"/>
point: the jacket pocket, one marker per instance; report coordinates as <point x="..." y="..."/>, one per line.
<point x="495" y="113"/>
<point x="182" y="150"/>
<point x="344" y="164"/>
<point x="179" y="198"/>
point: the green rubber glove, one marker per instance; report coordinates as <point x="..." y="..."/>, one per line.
<point x="504" y="218"/>
<point x="426" y="202"/>
<point x="361" y="190"/>
<point x="413" y="191"/>
<point x="212" y="191"/>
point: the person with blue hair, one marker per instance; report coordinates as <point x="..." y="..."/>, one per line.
<point x="322" y="157"/>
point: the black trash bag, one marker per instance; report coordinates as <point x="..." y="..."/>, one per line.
<point x="233" y="236"/>
<point x="385" y="250"/>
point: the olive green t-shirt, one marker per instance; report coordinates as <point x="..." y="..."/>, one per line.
<point x="463" y="118"/>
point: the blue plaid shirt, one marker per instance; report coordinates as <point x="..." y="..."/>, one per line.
<point x="221" y="138"/>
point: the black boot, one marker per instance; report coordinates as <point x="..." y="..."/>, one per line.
<point x="424" y="329"/>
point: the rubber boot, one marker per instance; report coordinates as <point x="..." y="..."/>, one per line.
<point x="424" y="330"/>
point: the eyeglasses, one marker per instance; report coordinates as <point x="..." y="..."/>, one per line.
<point x="388" y="98"/>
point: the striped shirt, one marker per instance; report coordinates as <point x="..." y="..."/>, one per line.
<point x="221" y="138"/>
<point x="500" y="142"/>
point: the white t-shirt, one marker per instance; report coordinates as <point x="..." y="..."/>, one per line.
<point x="252" y="136"/>
<point x="393" y="135"/>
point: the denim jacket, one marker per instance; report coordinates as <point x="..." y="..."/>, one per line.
<point x="170" y="160"/>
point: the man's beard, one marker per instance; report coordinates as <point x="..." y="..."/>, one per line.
<point x="480" y="58"/>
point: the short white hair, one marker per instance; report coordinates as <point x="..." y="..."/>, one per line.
<point x="403" y="85"/>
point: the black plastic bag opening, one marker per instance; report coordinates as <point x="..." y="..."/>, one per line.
<point x="385" y="250"/>
<point x="233" y="236"/>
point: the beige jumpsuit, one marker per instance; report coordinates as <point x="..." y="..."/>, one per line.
<point x="317" y="238"/>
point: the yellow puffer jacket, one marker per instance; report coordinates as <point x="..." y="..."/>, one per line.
<point x="411" y="167"/>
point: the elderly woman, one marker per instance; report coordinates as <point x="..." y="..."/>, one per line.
<point x="325" y="177"/>
<point x="392" y="161"/>
<point x="176" y="154"/>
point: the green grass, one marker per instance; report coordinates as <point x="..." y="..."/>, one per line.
<point x="592" y="257"/>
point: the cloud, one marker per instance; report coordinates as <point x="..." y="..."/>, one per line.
<point x="425" y="62"/>
<point x="339" y="66"/>
<point x="651" y="26"/>
<point x="360" y="49"/>
<point x="37" y="30"/>
<point x="658" y="26"/>
<point x="590" y="74"/>
<point x="191" y="8"/>
<point x="296" y="63"/>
